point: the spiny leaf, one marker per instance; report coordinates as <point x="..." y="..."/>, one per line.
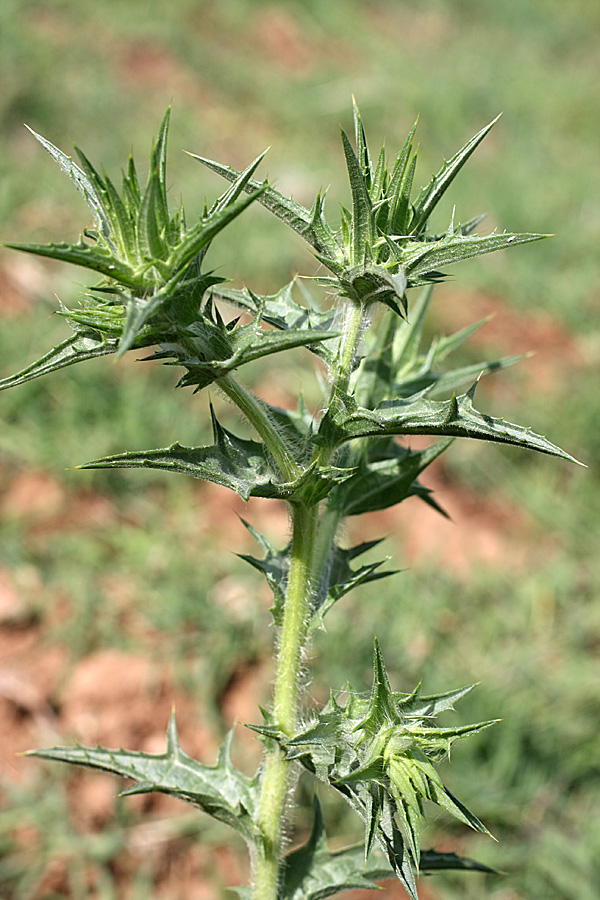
<point x="158" y="173"/>
<point x="426" y="258"/>
<point x="137" y="312"/>
<point x="362" y="150"/>
<point x="379" y="183"/>
<point x="200" y="236"/>
<point x="280" y="309"/>
<point x="90" y="257"/>
<point x="378" y="367"/>
<point x="372" y="284"/>
<point x="221" y="790"/>
<point x="385" y="478"/>
<point x="378" y="750"/>
<point x="209" y="349"/>
<point x="401" y="208"/>
<point x="243" y="466"/>
<point x="419" y="415"/>
<point x="151" y="229"/>
<point x="111" y="239"/>
<point x="275" y="566"/>
<point x="181" y="295"/>
<point x="142" y="253"/>
<point x="238" y="186"/>
<point x="75" y="349"/>
<point x="396" y="366"/>
<point x="437" y="861"/>
<point x="131" y="188"/>
<point x="431" y="195"/>
<point x="313" y="872"/>
<point x="339" y="578"/>
<point x="444" y="382"/>
<point x="164" y="312"/>
<point x="347" y="868"/>
<point x="446" y="344"/>
<point x="322" y="233"/>
<point x="407" y="336"/>
<point x="123" y="225"/>
<point x="361" y="237"/>
<point x="81" y="181"/>
<point x="293" y="214"/>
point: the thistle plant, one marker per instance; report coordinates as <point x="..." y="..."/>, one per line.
<point x="382" y="382"/>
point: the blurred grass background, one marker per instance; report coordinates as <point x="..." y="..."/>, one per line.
<point x="506" y="595"/>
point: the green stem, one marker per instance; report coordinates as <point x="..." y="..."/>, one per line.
<point x="308" y="558"/>
<point x="276" y="778"/>
<point x="354" y="321"/>
<point x="353" y="328"/>
<point x="258" y="417"/>
<point x="296" y="615"/>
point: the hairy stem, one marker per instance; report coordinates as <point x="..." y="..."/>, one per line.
<point x="258" y="417"/>
<point x="354" y="322"/>
<point x="276" y="779"/>
<point x="353" y="329"/>
<point x="309" y="554"/>
<point x="296" y="614"/>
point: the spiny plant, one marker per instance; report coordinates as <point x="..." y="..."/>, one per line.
<point x="380" y="750"/>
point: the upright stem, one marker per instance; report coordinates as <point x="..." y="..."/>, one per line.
<point x="305" y="561"/>
<point x="353" y="328"/>
<point x="295" y="618"/>
<point x="276" y="779"/>
<point x="258" y="417"/>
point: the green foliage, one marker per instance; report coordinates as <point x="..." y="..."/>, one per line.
<point x="398" y="364"/>
<point x="456" y="417"/>
<point x="220" y="790"/>
<point x="378" y="751"/>
<point x="383" y="246"/>
<point x="150" y="260"/>
<point x="339" y="578"/>
<point x="313" y="872"/>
